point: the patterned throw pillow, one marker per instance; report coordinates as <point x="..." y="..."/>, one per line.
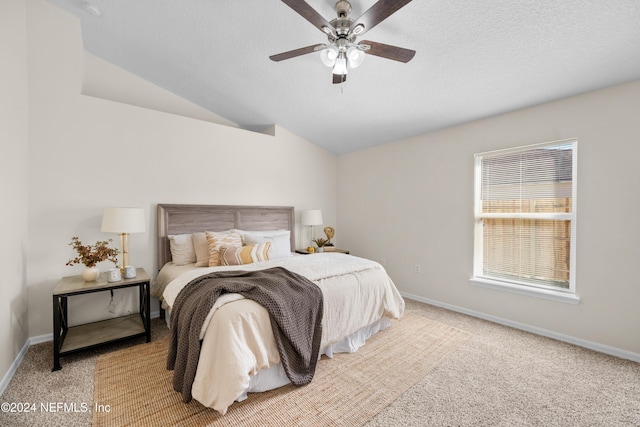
<point x="262" y="252"/>
<point x="215" y="240"/>
<point x="231" y="255"/>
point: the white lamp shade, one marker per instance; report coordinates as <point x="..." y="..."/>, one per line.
<point x="311" y="217"/>
<point x="123" y="220"/>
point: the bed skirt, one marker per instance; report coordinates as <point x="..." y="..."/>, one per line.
<point x="275" y="377"/>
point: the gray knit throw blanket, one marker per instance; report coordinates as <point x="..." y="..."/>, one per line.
<point x="294" y="304"/>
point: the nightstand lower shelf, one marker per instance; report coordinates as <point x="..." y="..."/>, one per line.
<point x="102" y="332"/>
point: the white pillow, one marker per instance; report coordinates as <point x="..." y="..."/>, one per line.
<point x="280" y="241"/>
<point x="182" y="250"/>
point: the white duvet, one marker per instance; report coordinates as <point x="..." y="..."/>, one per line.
<point x="237" y="337"/>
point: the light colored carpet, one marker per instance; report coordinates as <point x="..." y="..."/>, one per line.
<point x="500" y="377"/>
<point x="346" y="390"/>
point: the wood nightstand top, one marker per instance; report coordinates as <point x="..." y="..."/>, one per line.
<point x="334" y="250"/>
<point x="71" y="285"/>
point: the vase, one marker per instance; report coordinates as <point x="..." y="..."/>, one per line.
<point x="90" y="274"/>
<point x="320" y="249"/>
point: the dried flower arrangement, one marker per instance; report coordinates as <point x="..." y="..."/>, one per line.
<point x="91" y="255"/>
<point x="320" y="241"/>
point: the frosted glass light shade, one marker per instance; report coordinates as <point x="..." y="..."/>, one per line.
<point x="329" y="55"/>
<point x="356" y="56"/>
<point x="311" y="217"/>
<point x="341" y="65"/>
<point x="123" y="220"/>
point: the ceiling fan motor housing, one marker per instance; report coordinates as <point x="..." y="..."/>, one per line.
<point x="343" y="8"/>
<point x="342" y="23"/>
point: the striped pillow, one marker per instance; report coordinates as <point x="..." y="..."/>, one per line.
<point x="231" y="255"/>
<point x="215" y="240"/>
<point x="262" y="252"/>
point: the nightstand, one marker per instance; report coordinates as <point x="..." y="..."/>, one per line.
<point x="67" y="340"/>
<point x="304" y="251"/>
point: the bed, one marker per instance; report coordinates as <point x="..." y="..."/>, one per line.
<point x="238" y="354"/>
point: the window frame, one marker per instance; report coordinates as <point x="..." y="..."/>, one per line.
<point x="538" y="290"/>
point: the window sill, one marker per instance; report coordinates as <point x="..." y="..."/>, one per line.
<point x="522" y="290"/>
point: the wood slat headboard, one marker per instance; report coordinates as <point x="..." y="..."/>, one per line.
<point x="187" y="219"/>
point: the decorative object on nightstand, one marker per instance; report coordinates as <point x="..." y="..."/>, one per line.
<point x="90" y="256"/>
<point x="329" y="232"/>
<point x="123" y="221"/>
<point x="311" y="218"/>
<point x="320" y="242"/>
<point x="129" y="272"/>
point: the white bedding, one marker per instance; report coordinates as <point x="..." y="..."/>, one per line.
<point x="167" y="273"/>
<point x="238" y="341"/>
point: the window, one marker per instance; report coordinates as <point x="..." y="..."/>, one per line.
<point x="525" y="213"/>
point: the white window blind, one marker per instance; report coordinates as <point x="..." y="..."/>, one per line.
<point x="525" y="216"/>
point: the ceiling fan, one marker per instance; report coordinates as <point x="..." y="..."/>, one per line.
<point x="342" y="52"/>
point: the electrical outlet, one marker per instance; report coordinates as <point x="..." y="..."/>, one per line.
<point x="416" y="268"/>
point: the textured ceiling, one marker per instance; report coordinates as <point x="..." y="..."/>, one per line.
<point x="474" y="60"/>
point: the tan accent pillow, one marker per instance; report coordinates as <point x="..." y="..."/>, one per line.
<point x="216" y="239"/>
<point x="201" y="248"/>
<point x="182" y="250"/>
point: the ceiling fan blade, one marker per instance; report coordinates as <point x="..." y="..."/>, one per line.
<point x="310" y="14"/>
<point x="339" y="78"/>
<point x="377" y="13"/>
<point x="296" y="52"/>
<point x="387" y="51"/>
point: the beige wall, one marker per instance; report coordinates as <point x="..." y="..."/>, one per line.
<point x="411" y="202"/>
<point x="13" y="181"/>
<point x="87" y="153"/>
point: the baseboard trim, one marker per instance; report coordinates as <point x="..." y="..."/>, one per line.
<point x="39" y="339"/>
<point x="591" y="345"/>
<point x="14" y="367"/>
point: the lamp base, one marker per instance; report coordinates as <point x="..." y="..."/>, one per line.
<point x="124" y="243"/>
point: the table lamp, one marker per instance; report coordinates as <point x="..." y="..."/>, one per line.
<point x="123" y="221"/>
<point x="310" y="218"/>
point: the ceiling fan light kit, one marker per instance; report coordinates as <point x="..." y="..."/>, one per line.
<point x="342" y="52"/>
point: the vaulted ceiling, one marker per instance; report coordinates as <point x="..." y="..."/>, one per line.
<point x="474" y="59"/>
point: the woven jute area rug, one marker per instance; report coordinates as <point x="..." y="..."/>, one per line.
<point x="134" y="388"/>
